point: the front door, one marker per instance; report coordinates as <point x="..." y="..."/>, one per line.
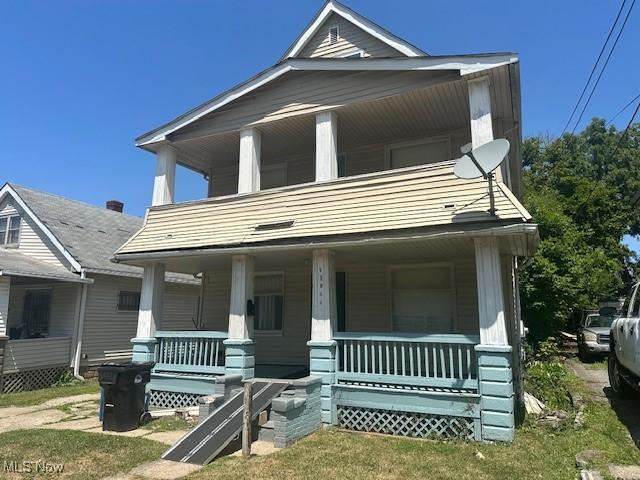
<point x="35" y="316"/>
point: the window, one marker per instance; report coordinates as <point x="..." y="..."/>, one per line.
<point x="334" y="33"/>
<point x="342" y="165"/>
<point x="418" y="153"/>
<point x="422" y="298"/>
<point x="272" y="176"/>
<point x="9" y="230"/>
<point x="128" y="301"/>
<point x="269" y="301"/>
<point x="35" y="314"/>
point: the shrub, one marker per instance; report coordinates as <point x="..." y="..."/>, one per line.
<point x="66" y="379"/>
<point x="549" y="382"/>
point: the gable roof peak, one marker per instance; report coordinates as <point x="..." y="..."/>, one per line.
<point x="333" y="6"/>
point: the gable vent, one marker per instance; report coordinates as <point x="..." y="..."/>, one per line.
<point x="333" y="34"/>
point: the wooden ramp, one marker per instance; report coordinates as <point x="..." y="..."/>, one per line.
<point x="209" y="438"/>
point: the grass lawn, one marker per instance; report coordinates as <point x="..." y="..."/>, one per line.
<point x="537" y="453"/>
<point x="35" y="397"/>
<point x="597" y="364"/>
<point x="168" y="424"/>
<point x="84" y="455"/>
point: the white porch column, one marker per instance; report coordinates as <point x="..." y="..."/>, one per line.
<point x="495" y="357"/>
<point x="324" y="315"/>
<point x="165" y="179"/>
<point x="150" y="312"/>
<point x="493" y="330"/>
<point x="239" y="348"/>
<point x="249" y="171"/>
<point x="480" y="110"/>
<point x="326" y="146"/>
<point x="324" y="312"/>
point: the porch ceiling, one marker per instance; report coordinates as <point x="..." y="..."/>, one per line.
<point x="421" y="112"/>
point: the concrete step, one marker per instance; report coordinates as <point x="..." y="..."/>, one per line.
<point x="266" y="433"/>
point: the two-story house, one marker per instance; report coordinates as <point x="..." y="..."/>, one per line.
<point x="336" y="239"/>
<point x="63" y="303"/>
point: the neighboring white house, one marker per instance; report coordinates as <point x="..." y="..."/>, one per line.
<point x="62" y="302"/>
<point x="337" y="240"/>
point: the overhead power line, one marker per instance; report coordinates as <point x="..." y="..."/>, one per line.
<point x="624" y="134"/>
<point x="623" y="109"/>
<point x="586" y="85"/>
<point x="586" y="104"/>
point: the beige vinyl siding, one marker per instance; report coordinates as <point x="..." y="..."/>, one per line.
<point x="33" y="242"/>
<point x="368" y="306"/>
<point x="408" y="198"/>
<point x="108" y="332"/>
<point x="41" y="352"/>
<point x="302" y="93"/>
<point x="62" y="315"/>
<point x="350" y="39"/>
<point x="361" y="160"/>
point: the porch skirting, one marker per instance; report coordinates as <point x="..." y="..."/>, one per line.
<point x="31" y="379"/>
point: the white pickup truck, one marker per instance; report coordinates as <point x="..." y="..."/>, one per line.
<point x="624" y="358"/>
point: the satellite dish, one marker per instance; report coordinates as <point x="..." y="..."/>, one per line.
<point x="481" y="162"/>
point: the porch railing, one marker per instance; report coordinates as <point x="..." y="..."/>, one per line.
<point x="197" y="351"/>
<point x="437" y="361"/>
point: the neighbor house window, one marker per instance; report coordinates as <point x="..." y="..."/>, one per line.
<point x="10" y="230"/>
<point x="421" y="152"/>
<point x="269" y="302"/>
<point x="36" y="312"/>
<point x="422" y="298"/>
<point x="334" y="32"/>
<point x="128" y="301"/>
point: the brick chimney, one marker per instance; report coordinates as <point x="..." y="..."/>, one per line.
<point x="115" y="205"/>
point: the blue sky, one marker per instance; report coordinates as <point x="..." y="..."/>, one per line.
<point x="82" y="78"/>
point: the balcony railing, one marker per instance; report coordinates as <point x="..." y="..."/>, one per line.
<point x="437" y="361"/>
<point x="190" y="351"/>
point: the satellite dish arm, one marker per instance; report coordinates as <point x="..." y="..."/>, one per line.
<point x="480" y="169"/>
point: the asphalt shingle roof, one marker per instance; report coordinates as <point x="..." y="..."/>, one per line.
<point x="91" y="234"/>
<point x="15" y="263"/>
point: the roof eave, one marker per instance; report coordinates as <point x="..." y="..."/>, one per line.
<point x="465" y="64"/>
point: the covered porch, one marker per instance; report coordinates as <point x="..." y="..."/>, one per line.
<point x="401" y="329"/>
<point x="40" y="306"/>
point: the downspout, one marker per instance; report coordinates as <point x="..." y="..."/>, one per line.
<point x="80" y="331"/>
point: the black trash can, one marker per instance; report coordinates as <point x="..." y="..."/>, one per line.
<point x="123" y="387"/>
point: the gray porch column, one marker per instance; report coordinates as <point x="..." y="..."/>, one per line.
<point x="5" y="287"/>
<point x="322" y="347"/>
<point x="239" y="348"/>
<point x="495" y="374"/>
<point x="149" y="314"/>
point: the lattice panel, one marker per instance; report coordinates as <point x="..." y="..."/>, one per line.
<point x="162" y="399"/>
<point x="405" y="424"/>
<point x="31" y="379"/>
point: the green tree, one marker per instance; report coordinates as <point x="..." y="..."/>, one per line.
<point x="579" y="189"/>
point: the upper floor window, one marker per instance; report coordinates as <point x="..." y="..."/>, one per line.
<point x="334" y="33"/>
<point x="9" y="230"/>
<point x="410" y="154"/>
<point x="342" y="165"/>
<point x="269" y="302"/>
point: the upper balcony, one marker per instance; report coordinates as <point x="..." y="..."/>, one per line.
<point x="301" y="122"/>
